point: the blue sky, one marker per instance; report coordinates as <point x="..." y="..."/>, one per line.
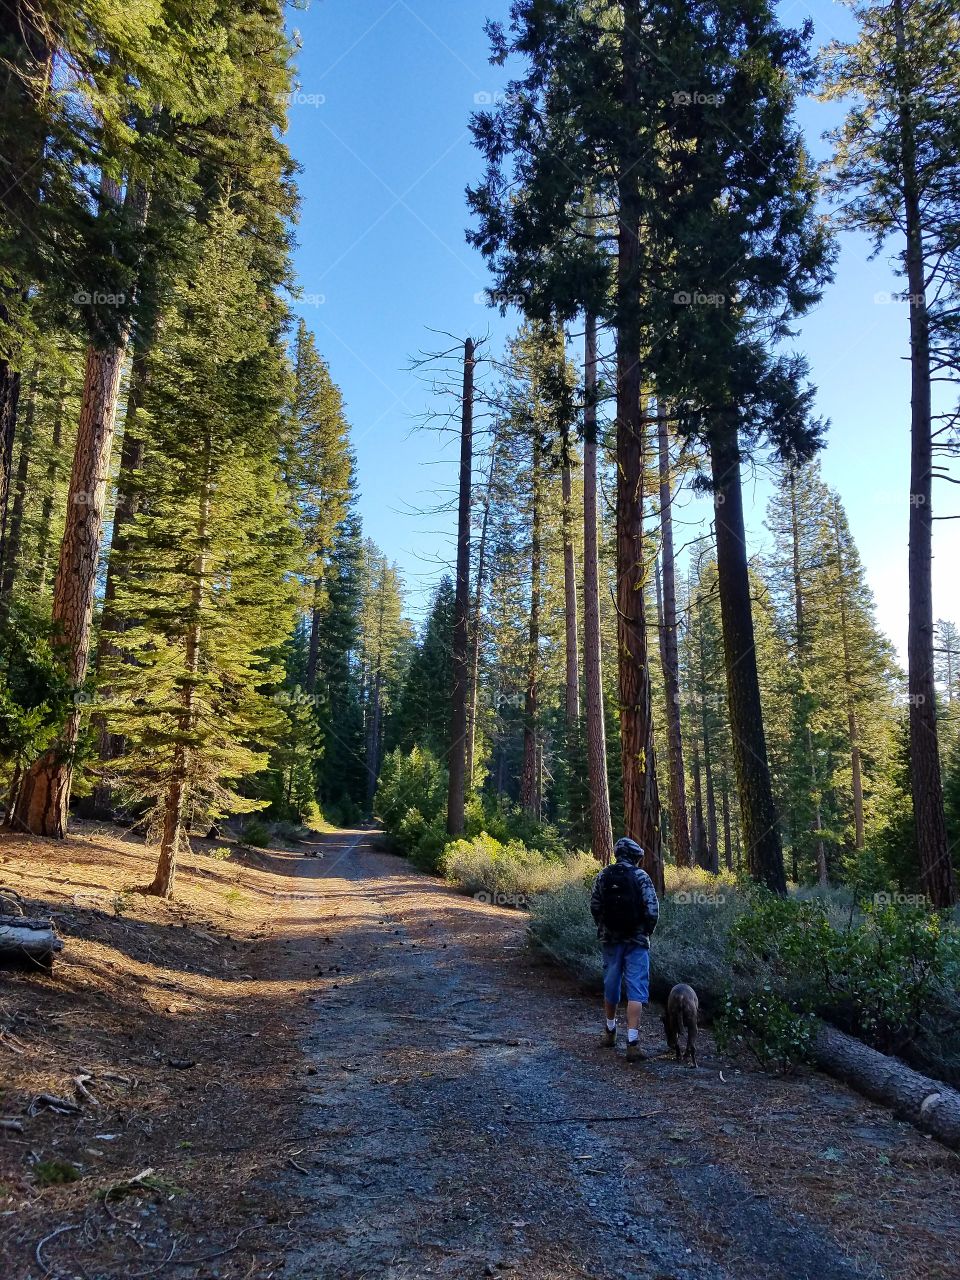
<point x="379" y="126"/>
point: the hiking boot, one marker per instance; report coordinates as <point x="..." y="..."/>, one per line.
<point x="634" y="1052"/>
<point x="608" y="1039"/>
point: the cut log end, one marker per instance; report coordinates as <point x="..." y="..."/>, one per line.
<point x="27" y="943"/>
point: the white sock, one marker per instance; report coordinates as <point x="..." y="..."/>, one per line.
<point x="632" y="1035"/>
<point x="611" y="1024"/>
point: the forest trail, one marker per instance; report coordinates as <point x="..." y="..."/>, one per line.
<point x="452" y="1130"/>
<point x="318" y="1063"/>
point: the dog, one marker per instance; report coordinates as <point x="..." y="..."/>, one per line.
<point x="682" y="1009"/>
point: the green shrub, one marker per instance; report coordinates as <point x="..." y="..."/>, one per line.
<point x="887" y="973"/>
<point x="507" y="822"/>
<point x="415" y="781"/>
<point x="35" y="693"/>
<point x="562" y="927"/>
<point x="509" y="874"/>
<point x="768" y="1027"/>
<point x="256" y="833"/>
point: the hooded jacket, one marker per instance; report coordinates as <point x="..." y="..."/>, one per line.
<point x="651" y="907"/>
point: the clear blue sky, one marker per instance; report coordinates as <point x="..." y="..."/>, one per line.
<point x="379" y="126"/>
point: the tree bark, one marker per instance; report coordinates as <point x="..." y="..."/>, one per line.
<point x="641" y="800"/>
<point x="725" y="811"/>
<point x="9" y="400"/>
<point x="375" y="714"/>
<point x="852" y="724"/>
<point x="178" y="784"/>
<point x="457" y="752"/>
<point x="24" y="77"/>
<point x="571" y="695"/>
<point x="530" y="773"/>
<point x="43" y="800"/>
<point x="669" y="656"/>
<point x="803" y="647"/>
<point x="699" y="830"/>
<point x="476" y="637"/>
<point x="930" y="1105"/>
<point x="313" y="649"/>
<point x="12" y="547"/>
<point x="936" y="868"/>
<point x="600" y="824"/>
<point x="46" y="509"/>
<point x="128" y="505"/>
<point x="757" y="809"/>
<point x="28" y="943"/>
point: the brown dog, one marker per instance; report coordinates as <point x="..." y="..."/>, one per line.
<point x="682" y="1009"/>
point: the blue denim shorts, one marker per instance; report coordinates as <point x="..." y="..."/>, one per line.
<point x="630" y="961"/>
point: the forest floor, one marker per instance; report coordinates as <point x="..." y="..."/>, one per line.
<point x="319" y="1063"/>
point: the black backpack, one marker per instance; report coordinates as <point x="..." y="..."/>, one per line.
<point x="622" y="912"/>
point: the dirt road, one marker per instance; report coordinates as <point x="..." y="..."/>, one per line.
<point x="320" y="1065"/>
<point x="464" y="1122"/>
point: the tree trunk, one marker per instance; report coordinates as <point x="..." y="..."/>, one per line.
<point x="926" y="1103"/>
<point x="821" y="851"/>
<point x="9" y="399"/>
<point x="803" y="647"/>
<point x="24" y="75"/>
<point x="592" y="663"/>
<point x="29" y="943"/>
<point x="44" y="795"/>
<point x="571" y="695"/>
<point x="128" y="504"/>
<point x="699" y="830"/>
<point x="49" y="493"/>
<point x="43" y="799"/>
<point x="670" y="660"/>
<point x="457" y="752"/>
<point x="725" y="811"/>
<point x="641" y="800"/>
<point x="313" y="650"/>
<point x="178" y="783"/>
<point x="373" y="738"/>
<point x="476" y="637"/>
<point x="758" y="812"/>
<point x="852" y="725"/>
<point x="936" y="868"/>
<point x="11" y="549"/>
<point x="712" y="847"/>
<point x="529" y="776"/>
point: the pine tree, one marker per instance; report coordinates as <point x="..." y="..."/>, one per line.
<point x="319" y="470"/>
<point x="897" y="173"/>
<point x="208" y="595"/>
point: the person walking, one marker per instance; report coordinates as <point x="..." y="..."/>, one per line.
<point x="625" y="908"/>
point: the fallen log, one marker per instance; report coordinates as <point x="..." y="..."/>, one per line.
<point x="930" y="1105"/>
<point x="27" y="940"/>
